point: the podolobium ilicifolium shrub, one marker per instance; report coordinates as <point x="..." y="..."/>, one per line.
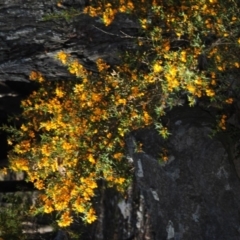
<point x="72" y="132"/>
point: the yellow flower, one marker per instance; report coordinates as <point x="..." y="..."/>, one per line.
<point x="166" y="46"/>
<point x="122" y="8"/>
<point x="78" y="88"/>
<point x="236" y="64"/>
<point x="24" y="128"/>
<point x="173" y="84"/>
<point x="222" y="123"/>
<point x="66" y="146"/>
<point x="62" y="56"/>
<point x="121" y="131"/>
<point x="39" y="184"/>
<point x="78" y="205"/>
<point x="40" y="79"/>
<point x="91" y="216"/>
<point x="210" y="92"/>
<point x="59" y="92"/>
<point x="191" y="88"/>
<point x="97" y="111"/>
<point x="65" y="220"/>
<point x="144" y="23"/>
<point x="213" y="1"/>
<point x="121" y="101"/>
<point x="118" y="156"/>
<point x="229" y="100"/>
<point x="198" y="81"/>
<point x="220" y="68"/>
<point x="20" y="164"/>
<point x="119" y="180"/>
<point x="96" y="97"/>
<point x="147" y="118"/>
<point x="49" y="125"/>
<point x="33" y="75"/>
<point x="173" y="71"/>
<point x="93" y="12"/>
<point x="45" y="150"/>
<point x="157" y="68"/>
<point x="108" y="16"/>
<point x="198" y="93"/>
<point x="134" y="76"/>
<point x="183" y="56"/>
<point x="91" y="183"/>
<point x="130" y="5"/>
<point x="101" y="65"/>
<point x="91" y="159"/>
<point x="36" y="76"/>
<point x="165" y="158"/>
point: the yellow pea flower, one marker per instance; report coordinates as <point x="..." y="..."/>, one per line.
<point x="59" y="92"/>
<point x="157" y="68"/>
<point x="91" y="216"/>
<point x="91" y="159"/>
<point x="210" y="92"/>
<point x="65" y="220"/>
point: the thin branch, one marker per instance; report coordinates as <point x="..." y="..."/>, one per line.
<point x="125" y="35"/>
<point x="112" y="34"/>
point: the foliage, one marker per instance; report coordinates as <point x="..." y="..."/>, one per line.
<point x="63" y="14"/>
<point x="73" y="132"/>
<point x="12" y="213"/>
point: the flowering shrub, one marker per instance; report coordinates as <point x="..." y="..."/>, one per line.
<point x="72" y="132"/>
<point x="66" y="143"/>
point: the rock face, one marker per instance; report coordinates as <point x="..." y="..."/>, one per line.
<point x="29" y="42"/>
<point x="194" y="195"/>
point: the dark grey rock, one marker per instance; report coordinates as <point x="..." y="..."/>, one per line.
<point x="197" y="191"/>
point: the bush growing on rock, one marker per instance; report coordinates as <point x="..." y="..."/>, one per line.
<point x="73" y="132"/>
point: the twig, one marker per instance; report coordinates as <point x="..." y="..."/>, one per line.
<point x="117" y="35"/>
<point x="112" y="34"/>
